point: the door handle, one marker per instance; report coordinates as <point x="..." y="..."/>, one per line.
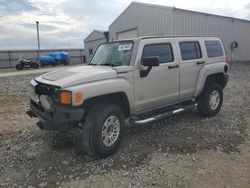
<point x="200" y="62"/>
<point x="173" y="66"/>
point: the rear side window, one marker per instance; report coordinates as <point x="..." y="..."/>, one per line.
<point x="190" y="50"/>
<point x="214" y="48"/>
<point x="163" y="51"/>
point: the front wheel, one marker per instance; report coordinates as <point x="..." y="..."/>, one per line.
<point x="210" y="100"/>
<point x="19" y="66"/>
<point x="102" y="130"/>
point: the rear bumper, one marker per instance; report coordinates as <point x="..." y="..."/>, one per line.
<point x="60" y="118"/>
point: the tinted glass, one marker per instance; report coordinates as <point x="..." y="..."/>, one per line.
<point x="163" y="51"/>
<point x="214" y="48"/>
<point x="190" y="50"/>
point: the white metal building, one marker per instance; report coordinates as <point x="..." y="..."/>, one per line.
<point x="92" y="41"/>
<point x="140" y="19"/>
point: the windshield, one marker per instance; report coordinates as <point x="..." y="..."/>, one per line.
<point x="113" y="54"/>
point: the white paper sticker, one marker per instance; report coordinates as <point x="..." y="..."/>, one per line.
<point x="124" y="47"/>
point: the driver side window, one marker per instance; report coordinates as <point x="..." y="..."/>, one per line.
<point x="163" y="51"/>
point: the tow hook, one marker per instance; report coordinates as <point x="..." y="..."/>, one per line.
<point x="31" y="113"/>
<point x="40" y="125"/>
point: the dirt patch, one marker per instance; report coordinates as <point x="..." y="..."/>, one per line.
<point x="13" y="116"/>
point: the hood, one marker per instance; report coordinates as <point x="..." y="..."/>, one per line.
<point x="77" y="75"/>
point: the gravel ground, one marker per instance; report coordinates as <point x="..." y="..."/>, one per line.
<point x="182" y="151"/>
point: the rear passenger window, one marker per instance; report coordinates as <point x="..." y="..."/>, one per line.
<point x="190" y="50"/>
<point x="163" y="51"/>
<point x="214" y="48"/>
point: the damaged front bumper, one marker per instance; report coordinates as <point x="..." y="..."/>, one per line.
<point x="59" y="118"/>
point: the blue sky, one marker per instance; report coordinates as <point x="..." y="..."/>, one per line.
<point x="65" y="23"/>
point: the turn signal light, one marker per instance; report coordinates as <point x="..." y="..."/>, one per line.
<point x="66" y="97"/>
<point x="79" y="97"/>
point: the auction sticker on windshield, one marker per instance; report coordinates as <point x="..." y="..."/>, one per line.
<point x="124" y="47"/>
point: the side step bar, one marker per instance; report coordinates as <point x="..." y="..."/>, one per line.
<point x="165" y="114"/>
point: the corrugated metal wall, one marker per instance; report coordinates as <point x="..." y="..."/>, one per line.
<point x="147" y="19"/>
<point x="228" y="29"/>
<point x="8" y="58"/>
<point x="159" y="20"/>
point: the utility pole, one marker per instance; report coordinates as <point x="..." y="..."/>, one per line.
<point x="38" y="39"/>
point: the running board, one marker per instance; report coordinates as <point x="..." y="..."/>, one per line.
<point x="165" y="114"/>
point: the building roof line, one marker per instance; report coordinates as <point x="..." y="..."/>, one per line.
<point x="174" y="8"/>
<point x="141" y="4"/>
<point x="98" y="31"/>
<point x="210" y="14"/>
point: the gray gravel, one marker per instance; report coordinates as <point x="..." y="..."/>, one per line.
<point x="169" y="153"/>
<point x="16" y="84"/>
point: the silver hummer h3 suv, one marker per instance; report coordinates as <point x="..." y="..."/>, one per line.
<point x="133" y="81"/>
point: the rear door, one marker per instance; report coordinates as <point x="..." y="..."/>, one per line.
<point x="191" y="61"/>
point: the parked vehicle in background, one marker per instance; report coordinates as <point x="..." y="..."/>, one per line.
<point x="55" y="58"/>
<point x="137" y="81"/>
<point x="25" y="63"/>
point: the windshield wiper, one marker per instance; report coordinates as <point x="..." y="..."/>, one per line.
<point x="92" y="64"/>
<point x="108" y="64"/>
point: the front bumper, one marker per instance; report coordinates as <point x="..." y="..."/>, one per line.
<point x="59" y="118"/>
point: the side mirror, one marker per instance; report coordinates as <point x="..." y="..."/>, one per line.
<point x="149" y="62"/>
<point x="152" y="61"/>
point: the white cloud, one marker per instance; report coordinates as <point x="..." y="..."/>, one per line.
<point x="65" y="23"/>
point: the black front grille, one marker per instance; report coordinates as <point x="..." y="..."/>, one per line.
<point x="44" y="89"/>
<point x="49" y="90"/>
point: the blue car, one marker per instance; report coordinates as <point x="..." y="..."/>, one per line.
<point x="54" y="58"/>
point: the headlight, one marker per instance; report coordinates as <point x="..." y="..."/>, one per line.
<point x="45" y="101"/>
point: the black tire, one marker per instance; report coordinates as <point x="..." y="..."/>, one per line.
<point x="19" y="66"/>
<point x="92" y="140"/>
<point x="35" y="65"/>
<point x="204" y="108"/>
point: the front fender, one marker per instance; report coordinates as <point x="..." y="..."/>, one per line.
<point x="104" y="87"/>
<point x="206" y="71"/>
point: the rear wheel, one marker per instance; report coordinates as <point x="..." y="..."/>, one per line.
<point x="19" y="66"/>
<point x="102" y="130"/>
<point x="210" y="100"/>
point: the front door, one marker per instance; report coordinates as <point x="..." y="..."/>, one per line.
<point x="161" y="85"/>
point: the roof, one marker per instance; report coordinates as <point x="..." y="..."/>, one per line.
<point x="173" y="8"/>
<point x="94" y="31"/>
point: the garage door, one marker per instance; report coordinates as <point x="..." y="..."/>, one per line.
<point x="127" y="34"/>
